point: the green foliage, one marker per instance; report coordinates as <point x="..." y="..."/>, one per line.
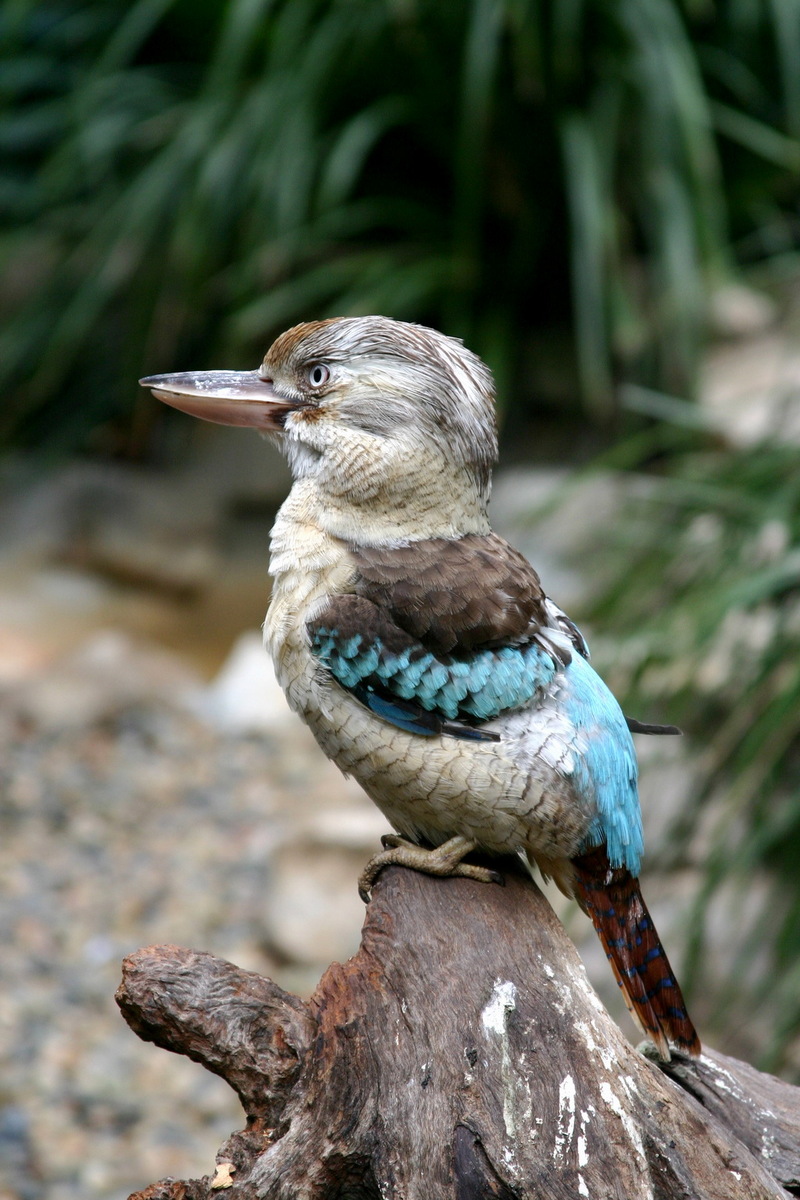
<point x="185" y="180"/>
<point x="706" y="572"/>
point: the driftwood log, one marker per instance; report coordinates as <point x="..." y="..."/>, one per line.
<point x="461" y="1053"/>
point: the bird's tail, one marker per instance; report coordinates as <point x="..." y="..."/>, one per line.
<point x="614" y="903"/>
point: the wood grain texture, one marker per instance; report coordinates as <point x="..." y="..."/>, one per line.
<point x="460" y="1053"/>
<point x="761" y="1110"/>
<point x="239" y="1025"/>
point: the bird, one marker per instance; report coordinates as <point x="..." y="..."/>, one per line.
<point x="420" y="647"/>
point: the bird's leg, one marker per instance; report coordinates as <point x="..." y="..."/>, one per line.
<point x="443" y="860"/>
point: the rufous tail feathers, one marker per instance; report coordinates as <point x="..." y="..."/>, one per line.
<point x="614" y="903"/>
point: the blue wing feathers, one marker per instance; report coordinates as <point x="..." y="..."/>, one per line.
<point x="416" y="720"/>
<point x="480" y="685"/>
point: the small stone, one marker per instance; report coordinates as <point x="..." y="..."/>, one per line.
<point x="223" y="1176"/>
<point x="245" y="697"/>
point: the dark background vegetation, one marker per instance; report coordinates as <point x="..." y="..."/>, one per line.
<point x="566" y="184"/>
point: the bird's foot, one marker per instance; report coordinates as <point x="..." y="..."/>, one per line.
<point x="443" y="860"/>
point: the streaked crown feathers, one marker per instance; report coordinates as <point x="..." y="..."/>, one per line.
<point x="388" y="375"/>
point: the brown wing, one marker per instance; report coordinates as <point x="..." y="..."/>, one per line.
<point x="454" y="594"/>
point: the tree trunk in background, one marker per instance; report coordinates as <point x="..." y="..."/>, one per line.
<point x="460" y="1053"/>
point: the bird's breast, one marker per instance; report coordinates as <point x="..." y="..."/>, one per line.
<point x="308" y="566"/>
<point x="515" y="793"/>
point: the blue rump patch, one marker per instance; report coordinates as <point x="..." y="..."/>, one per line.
<point x="605" y="767"/>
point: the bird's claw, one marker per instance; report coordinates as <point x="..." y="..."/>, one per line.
<point x="443" y="860"/>
<point x="391" y="840"/>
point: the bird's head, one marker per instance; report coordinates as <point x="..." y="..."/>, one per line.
<point x="377" y="414"/>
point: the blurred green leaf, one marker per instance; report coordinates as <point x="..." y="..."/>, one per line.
<point x="513" y="164"/>
<point x="703" y="603"/>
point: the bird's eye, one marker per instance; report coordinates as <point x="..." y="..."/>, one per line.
<point x="318" y="374"/>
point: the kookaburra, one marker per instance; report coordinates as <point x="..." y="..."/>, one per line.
<point x="420" y="647"/>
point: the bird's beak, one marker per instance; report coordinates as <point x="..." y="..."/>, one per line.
<point x="224" y="397"/>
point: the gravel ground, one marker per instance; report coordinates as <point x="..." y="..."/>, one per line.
<point x="128" y="820"/>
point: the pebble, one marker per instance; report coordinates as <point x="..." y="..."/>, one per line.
<point x="126" y="819"/>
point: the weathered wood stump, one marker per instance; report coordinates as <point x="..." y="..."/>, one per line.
<point x="460" y="1053"/>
